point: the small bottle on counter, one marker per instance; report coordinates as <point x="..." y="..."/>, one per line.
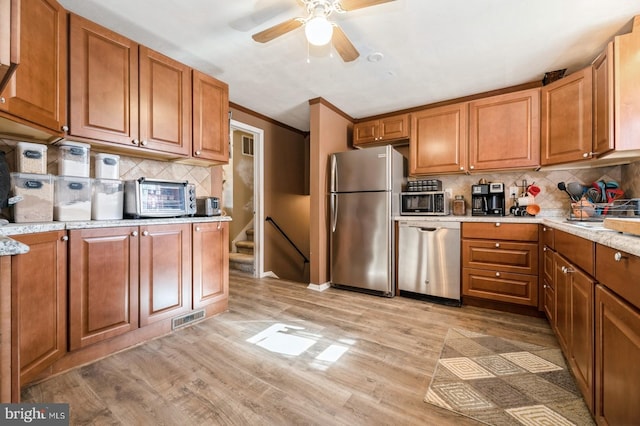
<point x="459" y="206"/>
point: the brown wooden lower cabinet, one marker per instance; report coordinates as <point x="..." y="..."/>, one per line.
<point x="210" y="263"/>
<point x="617" y="351"/>
<point x="39" y="302"/>
<point x="103" y="284"/>
<point x="165" y="271"/>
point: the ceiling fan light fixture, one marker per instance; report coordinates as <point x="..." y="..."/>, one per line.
<point x="318" y="31"/>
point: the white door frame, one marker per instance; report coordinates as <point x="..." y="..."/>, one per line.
<point x="258" y="191"/>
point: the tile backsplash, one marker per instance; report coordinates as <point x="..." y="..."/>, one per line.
<point x="553" y="201"/>
<point x="130" y="167"/>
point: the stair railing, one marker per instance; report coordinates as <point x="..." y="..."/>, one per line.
<point x="273" y="222"/>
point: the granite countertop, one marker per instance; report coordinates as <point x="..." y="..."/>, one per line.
<point x="10" y="247"/>
<point x="607" y="237"/>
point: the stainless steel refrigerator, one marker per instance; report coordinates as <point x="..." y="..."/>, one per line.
<point x="365" y="194"/>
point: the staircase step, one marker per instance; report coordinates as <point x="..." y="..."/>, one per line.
<point x="241" y="262"/>
<point x="249" y="233"/>
<point x="245" y="246"/>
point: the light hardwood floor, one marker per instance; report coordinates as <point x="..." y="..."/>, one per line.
<point x="228" y="369"/>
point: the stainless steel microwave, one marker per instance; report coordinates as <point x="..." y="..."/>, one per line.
<point x="159" y="198"/>
<point x="430" y="203"/>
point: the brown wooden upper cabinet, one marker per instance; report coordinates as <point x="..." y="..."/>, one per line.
<point x="36" y="94"/>
<point x="566" y="125"/>
<point x="127" y="94"/>
<point x="9" y="42"/>
<point x="616" y="94"/>
<point x="438" y="142"/>
<point x="210" y="118"/>
<point x="382" y="130"/>
<point x="504" y="131"/>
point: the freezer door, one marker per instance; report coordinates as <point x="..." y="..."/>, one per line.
<point x="361" y="241"/>
<point x="361" y="170"/>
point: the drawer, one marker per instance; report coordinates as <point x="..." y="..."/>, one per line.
<point x="500" y="231"/>
<point x="621" y="276"/>
<point x="500" y="286"/>
<point x="503" y="256"/>
<point x="578" y="250"/>
<point x="547" y="236"/>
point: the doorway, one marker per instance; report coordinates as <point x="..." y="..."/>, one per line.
<point x="245" y="173"/>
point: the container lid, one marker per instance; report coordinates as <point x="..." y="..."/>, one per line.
<point x="75" y="144"/>
<point x="33" y="146"/>
<point x="105" y="155"/>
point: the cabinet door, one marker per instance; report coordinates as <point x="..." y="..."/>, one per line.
<point x="210" y="118"/>
<point x="366" y="132"/>
<point x="210" y="263"/>
<point x="37" y="92"/>
<point x="39" y="280"/>
<point x="165" y="271"/>
<point x="563" y="301"/>
<point x="438" y="142"/>
<point x="9" y="42"/>
<point x="566" y="125"/>
<point x="103" y="284"/>
<point x="617" y="351"/>
<point x="582" y="326"/>
<point x="103" y="89"/>
<point x="165" y="103"/>
<point x="396" y="127"/>
<point x="603" y="140"/>
<point x="504" y="131"/>
<point x="549" y="303"/>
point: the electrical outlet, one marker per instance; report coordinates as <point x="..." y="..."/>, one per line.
<point x="449" y="192"/>
<point x="513" y="191"/>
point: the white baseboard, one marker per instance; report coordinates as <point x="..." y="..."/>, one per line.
<point x="269" y="274"/>
<point x="319" y="287"/>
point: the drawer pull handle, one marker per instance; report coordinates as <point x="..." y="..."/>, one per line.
<point x="566" y="270"/>
<point x="498" y="223"/>
<point x="618" y="256"/>
<point x="134" y="234"/>
<point x="497" y="245"/>
<point x="497" y="274"/>
<point x="145" y="233"/>
<point x="65" y="238"/>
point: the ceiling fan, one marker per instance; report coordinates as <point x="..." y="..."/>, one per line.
<point x="318" y="29"/>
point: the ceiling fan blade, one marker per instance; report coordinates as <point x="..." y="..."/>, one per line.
<point x="348" y="5"/>
<point x="277" y="30"/>
<point x="342" y="44"/>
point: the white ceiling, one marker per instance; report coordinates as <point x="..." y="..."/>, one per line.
<point x="432" y="50"/>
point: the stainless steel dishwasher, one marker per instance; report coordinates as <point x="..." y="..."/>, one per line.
<point x="429" y="259"/>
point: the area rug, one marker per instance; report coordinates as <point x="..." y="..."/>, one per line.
<point x="505" y="382"/>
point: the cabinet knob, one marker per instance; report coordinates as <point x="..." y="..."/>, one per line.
<point x="497" y="245"/>
<point x="472" y="167"/>
<point x="566" y="270"/>
<point x="586" y="155"/>
<point x="461" y="167"/>
<point x="143" y="143"/>
<point x="197" y="229"/>
<point x="64" y="238"/>
<point x="198" y="153"/>
<point x="134" y="234"/>
<point x="145" y="233"/>
<point x="497" y="274"/>
<point x="65" y="128"/>
<point x="498" y="224"/>
<point x="2" y="100"/>
<point x="619" y="256"/>
<point x="544" y="286"/>
<point x="544" y="248"/>
<point x="544" y="229"/>
<point x="135" y="142"/>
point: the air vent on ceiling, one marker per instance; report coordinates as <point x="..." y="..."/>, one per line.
<point x="186" y="319"/>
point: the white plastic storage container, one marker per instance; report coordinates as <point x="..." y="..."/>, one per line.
<point x="72" y="198"/>
<point x="107" y="202"/>
<point x="36" y="191"/>
<point x="31" y="158"/>
<point x="107" y="166"/>
<point x="73" y="159"/>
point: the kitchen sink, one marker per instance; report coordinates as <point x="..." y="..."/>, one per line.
<point x="594" y="226"/>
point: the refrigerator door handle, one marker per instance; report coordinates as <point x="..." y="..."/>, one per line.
<point x="334" y="174"/>
<point x="334" y="211"/>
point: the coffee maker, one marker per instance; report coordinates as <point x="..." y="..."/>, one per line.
<point x="487" y="199"/>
